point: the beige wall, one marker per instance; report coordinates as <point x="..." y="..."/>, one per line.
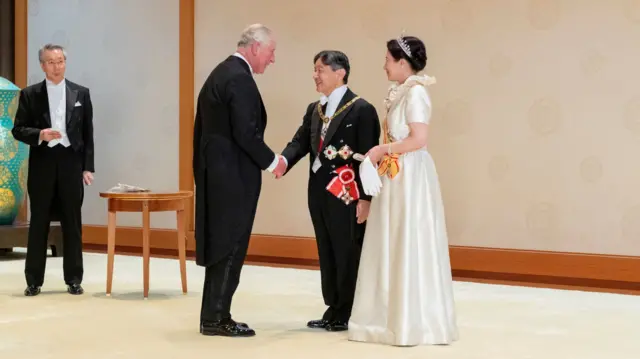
<point x="126" y="52"/>
<point x="536" y="109"/>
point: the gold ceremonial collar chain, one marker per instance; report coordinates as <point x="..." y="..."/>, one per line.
<point x="326" y="119"/>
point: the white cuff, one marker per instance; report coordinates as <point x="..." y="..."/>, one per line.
<point x="273" y="164"/>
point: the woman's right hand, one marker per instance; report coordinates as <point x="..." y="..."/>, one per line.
<point x="376" y="153"/>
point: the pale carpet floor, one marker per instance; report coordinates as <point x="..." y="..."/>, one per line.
<point x="496" y="322"/>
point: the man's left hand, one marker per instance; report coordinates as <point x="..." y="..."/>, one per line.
<point x="87" y="178"/>
<point x="362" y="210"/>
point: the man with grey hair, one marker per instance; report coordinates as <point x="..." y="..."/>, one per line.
<point x="55" y="118"/>
<point x="229" y="154"/>
<point x="335" y="129"/>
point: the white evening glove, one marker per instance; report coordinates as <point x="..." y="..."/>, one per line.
<point x="369" y="177"/>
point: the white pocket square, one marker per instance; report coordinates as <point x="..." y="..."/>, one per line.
<point x="78" y="104"/>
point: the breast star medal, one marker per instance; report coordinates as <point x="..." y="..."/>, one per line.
<point x="330" y="152"/>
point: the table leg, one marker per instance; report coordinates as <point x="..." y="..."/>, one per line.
<point x="145" y="246"/>
<point x="182" y="248"/>
<point x="111" y="248"/>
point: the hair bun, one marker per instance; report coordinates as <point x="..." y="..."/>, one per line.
<point x="418" y="57"/>
<point x="418" y="53"/>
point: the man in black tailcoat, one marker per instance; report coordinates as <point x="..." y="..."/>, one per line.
<point x="55" y="118"/>
<point x="333" y="130"/>
<point x="229" y="155"/>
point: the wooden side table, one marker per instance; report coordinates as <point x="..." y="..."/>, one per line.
<point x="147" y="202"/>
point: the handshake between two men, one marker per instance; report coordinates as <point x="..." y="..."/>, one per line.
<point x="368" y="171"/>
<point x="369" y="174"/>
<point x="347" y="184"/>
<point x="281" y="167"/>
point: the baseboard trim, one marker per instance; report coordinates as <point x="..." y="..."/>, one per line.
<point x="592" y="272"/>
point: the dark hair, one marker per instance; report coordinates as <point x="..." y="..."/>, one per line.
<point x="418" y="59"/>
<point x="336" y="60"/>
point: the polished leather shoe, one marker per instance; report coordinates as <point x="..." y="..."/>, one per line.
<point x="75" y="289"/>
<point x="318" y="324"/>
<point x="240" y="324"/>
<point x="337" y="326"/>
<point x="32" y="291"/>
<point x="227" y="328"/>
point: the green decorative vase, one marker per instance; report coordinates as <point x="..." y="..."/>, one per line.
<point x="13" y="156"/>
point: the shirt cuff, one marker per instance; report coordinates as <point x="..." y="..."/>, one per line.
<point x="273" y="164"/>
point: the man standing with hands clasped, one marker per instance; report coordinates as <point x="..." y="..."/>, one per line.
<point x="55" y="118"/>
<point x="333" y="130"/>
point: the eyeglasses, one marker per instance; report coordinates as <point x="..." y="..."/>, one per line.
<point x="55" y="63"/>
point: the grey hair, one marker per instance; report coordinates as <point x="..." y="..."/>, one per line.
<point x="254" y="33"/>
<point x="50" y="47"/>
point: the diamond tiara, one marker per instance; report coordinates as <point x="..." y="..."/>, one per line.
<point x="403" y="45"/>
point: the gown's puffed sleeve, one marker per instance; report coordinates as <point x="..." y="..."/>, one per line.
<point x="418" y="104"/>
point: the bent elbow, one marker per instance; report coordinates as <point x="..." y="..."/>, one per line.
<point x="17" y="133"/>
<point x="419" y="142"/>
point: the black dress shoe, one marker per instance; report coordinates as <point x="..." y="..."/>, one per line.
<point x="227" y="328"/>
<point x="318" y="324"/>
<point x="240" y="324"/>
<point x="337" y="326"/>
<point x="75" y="289"/>
<point x="32" y="291"/>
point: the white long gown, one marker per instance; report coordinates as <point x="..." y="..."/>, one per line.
<point x="404" y="293"/>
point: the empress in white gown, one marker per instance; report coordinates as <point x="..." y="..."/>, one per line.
<point x="404" y="293"/>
